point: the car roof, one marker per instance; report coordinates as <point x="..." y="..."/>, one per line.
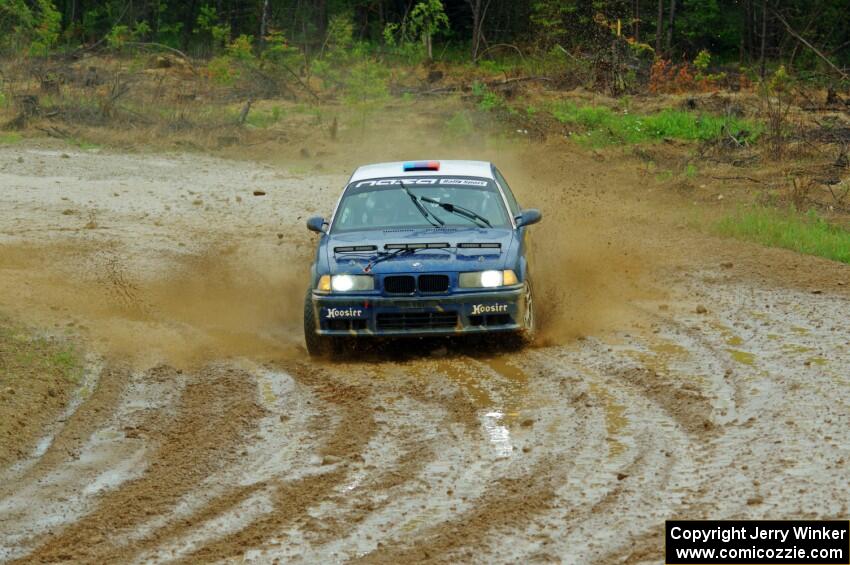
<point x="447" y="168"/>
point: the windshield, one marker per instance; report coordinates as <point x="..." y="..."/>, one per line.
<point x="384" y="204"/>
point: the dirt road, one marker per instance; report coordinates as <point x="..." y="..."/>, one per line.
<point x="678" y="376"/>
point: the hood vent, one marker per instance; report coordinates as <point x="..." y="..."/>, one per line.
<point x="355" y="248"/>
<point x="427" y="230"/>
<point x="392" y="246"/>
<point x="479" y="245"/>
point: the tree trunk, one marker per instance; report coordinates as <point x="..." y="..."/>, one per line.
<point x="741" y="50"/>
<point x="264" y="22"/>
<point x="478" y="15"/>
<point x="637" y="21"/>
<point x="659" y="28"/>
<point x="188" y="25"/>
<point x="475" y="6"/>
<point x="763" y="35"/>
<point x="321" y="18"/>
<point x="671" y="26"/>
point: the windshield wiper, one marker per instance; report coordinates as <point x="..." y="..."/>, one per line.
<point x="460" y="211"/>
<point x="421" y="208"/>
<point x="384" y="256"/>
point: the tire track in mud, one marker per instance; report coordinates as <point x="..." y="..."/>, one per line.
<point x="76" y="428"/>
<point x="333" y="503"/>
<point x="230" y="498"/>
<point x="415" y="416"/>
<point x="29" y="495"/>
<point x="510" y="502"/>
<point x="290" y="500"/>
<point x="215" y="412"/>
<point x="522" y="488"/>
<point x="621" y="463"/>
<point x="726" y="485"/>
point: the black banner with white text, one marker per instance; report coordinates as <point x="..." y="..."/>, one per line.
<point x="761" y="542"/>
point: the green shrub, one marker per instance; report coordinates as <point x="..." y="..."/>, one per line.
<point x="428" y="18"/>
<point x="216" y="34"/>
<point x="487" y="99"/>
<point x="31" y="27"/>
<point x="459" y="126"/>
<point x="366" y="88"/>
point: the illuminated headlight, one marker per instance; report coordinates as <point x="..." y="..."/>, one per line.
<point x="487" y="279"/>
<point x="348" y="283"/>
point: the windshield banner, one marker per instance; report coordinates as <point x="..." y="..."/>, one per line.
<point x="436" y="181"/>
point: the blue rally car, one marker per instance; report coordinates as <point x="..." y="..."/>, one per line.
<point x="423" y="248"/>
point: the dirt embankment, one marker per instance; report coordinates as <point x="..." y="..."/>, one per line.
<point x="678" y="375"/>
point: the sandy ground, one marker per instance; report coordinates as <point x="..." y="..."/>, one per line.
<point x="678" y="376"/>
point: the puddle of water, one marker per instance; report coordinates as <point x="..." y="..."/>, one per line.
<point x="615" y="419"/>
<point x="663" y="352"/>
<point x="113" y="477"/>
<point x="419" y="520"/>
<point x="498" y="434"/>
<point x="468" y="380"/>
<point x="743" y="357"/>
<point x="795" y="348"/>
<point x="511" y="390"/>
<point x="729" y="336"/>
<point x="269" y="397"/>
<point x="515" y="390"/>
<point x="668" y="348"/>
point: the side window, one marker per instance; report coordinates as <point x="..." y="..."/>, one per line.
<point x="512" y="203"/>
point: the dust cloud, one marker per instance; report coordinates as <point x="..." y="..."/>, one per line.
<point x="588" y="267"/>
<point x="217" y="302"/>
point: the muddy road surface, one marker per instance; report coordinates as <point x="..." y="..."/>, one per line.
<point x="678" y="376"/>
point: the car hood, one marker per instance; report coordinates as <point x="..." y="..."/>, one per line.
<point x="451" y="259"/>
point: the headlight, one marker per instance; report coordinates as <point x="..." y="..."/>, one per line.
<point x="487" y="279"/>
<point x="348" y="283"/>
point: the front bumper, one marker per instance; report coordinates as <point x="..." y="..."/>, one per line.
<point x="463" y="313"/>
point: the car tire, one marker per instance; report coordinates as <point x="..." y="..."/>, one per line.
<point x="317" y="345"/>
<point x="529" y="322"/>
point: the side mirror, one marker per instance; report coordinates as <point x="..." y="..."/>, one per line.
<point x="316" y="224"/>
<point x="528" y="217"/>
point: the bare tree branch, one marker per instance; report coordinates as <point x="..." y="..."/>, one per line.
<point x="802" y="40"/>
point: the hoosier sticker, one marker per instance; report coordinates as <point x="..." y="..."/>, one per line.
<point x="343" y="313"/>
<point x="488" y="309"/>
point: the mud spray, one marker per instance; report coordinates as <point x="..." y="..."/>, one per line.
<point x="588" y="270"/>
<point x="216" y="303"/>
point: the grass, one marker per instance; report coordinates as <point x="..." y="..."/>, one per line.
<point x="83" y="144"/>
<point x="459" y="126"/>
<point x="9" y="138"/>
<point x="487" y="99"/>
<point x="808" y="233"/>
<point x="37" y="378"/>
<point x="600" y="125"/>
<point x="22" y="353"/>
<point x="264" y="118"/>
